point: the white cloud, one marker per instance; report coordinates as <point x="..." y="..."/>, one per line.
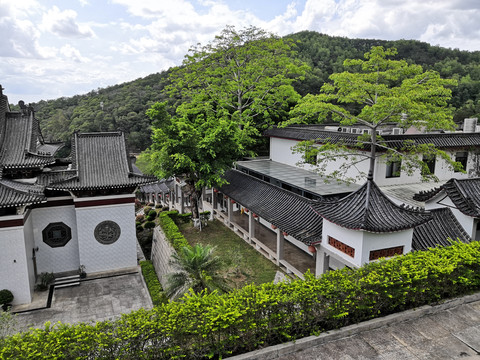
<point x="63" y="23"/>
<point x="71" y="53"/>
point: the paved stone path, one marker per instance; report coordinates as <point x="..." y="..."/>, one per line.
<point x="92" y="300"/>
<point x="443" y="332"/>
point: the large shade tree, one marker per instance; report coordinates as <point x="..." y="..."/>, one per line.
<point x="227" y="91"/>
<point x="243" y="75"/>
<point x="373" y="93"/>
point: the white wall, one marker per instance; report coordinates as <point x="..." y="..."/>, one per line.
<point x="467" y="222"/>
<point x="29" y="246"/>
<point x="58" y="259"/>
<point x="349" y="237"/>
<point x="281" y="151"/>
<point x="99" y="257"/>
<point x="376" y="241"/>
<point x="13" y="262"/>
<point x="363" y="242"/>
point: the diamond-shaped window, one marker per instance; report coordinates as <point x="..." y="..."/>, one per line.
<point x="56" y="234"/>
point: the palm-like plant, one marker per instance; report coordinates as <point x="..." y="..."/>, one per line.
<point x="198" y="270"/>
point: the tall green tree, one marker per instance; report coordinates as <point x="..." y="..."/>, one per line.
<point x="199" y="149"/>
<point x="244" y="75"/>
<point x="373" y="93"/>
<point x="198" y="269"/>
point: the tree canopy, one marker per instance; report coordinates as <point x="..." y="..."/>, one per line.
<point x="373" y="93"/>
<point x="245" y="76"/>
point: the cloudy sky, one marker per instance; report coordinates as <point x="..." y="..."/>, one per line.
<point x="54" y="48"/>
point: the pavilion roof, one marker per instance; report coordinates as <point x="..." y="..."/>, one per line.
<point x="290" y="212"/>
<point x="464" y="193"/>
<point x="100" y="161"/>
<point x="370" y="210"/>
<point x="437" y="232"/>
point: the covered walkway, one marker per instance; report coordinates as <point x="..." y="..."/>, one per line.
<point x="294" y="260"/>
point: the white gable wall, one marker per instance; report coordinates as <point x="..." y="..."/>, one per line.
<point x="468" y="223"/>
<point x="99" y="257"/>
<point x="349" y="237"/>
<point x="29" y="246"/>
<point x="56" y="259"/>
<point x="13" y="262"/>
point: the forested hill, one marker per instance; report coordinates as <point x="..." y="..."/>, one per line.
<point x="122" y="107"/>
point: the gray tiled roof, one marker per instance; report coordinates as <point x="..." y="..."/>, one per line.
<point x="13" y="193"/>
<point x="464" y="193"/>
<point x="20" y="147"/>
<point x="315" y="132"/>
<point x="288" y="211"/>
<point x="160" y="187"/>
<point x="370" y="210"/>
<point x="100" y="161"/>
<point x="436" y="232"/>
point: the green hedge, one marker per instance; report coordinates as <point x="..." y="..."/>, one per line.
<point x="153" y="285"/>
<point x="211" y="325"/>
<point x="173" y="235"/>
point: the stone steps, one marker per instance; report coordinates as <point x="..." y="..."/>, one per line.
<point x="67" y="281"/>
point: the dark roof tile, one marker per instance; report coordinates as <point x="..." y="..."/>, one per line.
<point x="370" y="210"/>
<point x="444" y="225"/>
<point x="288" y="211"/>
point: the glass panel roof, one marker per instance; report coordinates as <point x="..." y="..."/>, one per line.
<point x="297" y="177"/>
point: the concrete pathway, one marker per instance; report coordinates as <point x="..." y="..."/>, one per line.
<point x="443" y="332"/>
<point x="93" y="300"/>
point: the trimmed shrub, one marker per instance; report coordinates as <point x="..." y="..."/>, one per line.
<point x="139" y="228"/>
<point x="6" y="297"/>
<point x="173" y="235"/>
<point x="152" y="213"/>
<point x="146" y="210"/>
<point x="153" y="285"/>
<point x="140" y="218"/>
<point x="149" y="225"/>
<point x="215" y="326"/>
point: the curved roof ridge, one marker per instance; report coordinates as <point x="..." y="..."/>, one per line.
<point x="369" y="209"/>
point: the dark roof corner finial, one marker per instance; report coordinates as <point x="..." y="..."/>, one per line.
<point x="1" y="90"/>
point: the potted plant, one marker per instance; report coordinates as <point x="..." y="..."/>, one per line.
<point x="81" y="272"/>
<point x="6" y="297"/>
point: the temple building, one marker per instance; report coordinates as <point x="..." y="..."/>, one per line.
<point x="57" y="215"/>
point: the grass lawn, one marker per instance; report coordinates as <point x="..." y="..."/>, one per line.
<point x="243" y="264"/>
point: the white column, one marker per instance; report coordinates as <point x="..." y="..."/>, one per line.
<point x="322" y="263"/>
<point x="229" y="210"/>
<point x="251" y="225"/>
<point x="280" y="246"/>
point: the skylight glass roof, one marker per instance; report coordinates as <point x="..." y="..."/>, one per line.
<point x="297" y="177"/>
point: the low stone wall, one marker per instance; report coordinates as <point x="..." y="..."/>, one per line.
<point x="161" y="254"/>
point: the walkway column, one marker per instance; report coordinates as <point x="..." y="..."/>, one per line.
<point x="182" y="202"/>
<point x="322" y="263"/>
<point x="229" y="210"/>
<point x="251" y="225"/>
<point x="214" y="203"/>
<point x="280" y="246"/>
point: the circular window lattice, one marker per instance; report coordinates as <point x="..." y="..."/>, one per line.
<point x="107" y="232"/>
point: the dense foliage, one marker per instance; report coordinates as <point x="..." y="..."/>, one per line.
<point x="124" y="105"/>
<point x="374" y="93"/>
<point x="211" y="325"/>
<point x="153" y="284"/>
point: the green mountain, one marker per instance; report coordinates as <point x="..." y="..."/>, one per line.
<point x="123" y="106"/>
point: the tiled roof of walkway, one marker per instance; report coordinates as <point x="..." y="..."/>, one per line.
<point x="290" y="212"/>
<point x="436" y="232"/>
<point x="465" y="194"/>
